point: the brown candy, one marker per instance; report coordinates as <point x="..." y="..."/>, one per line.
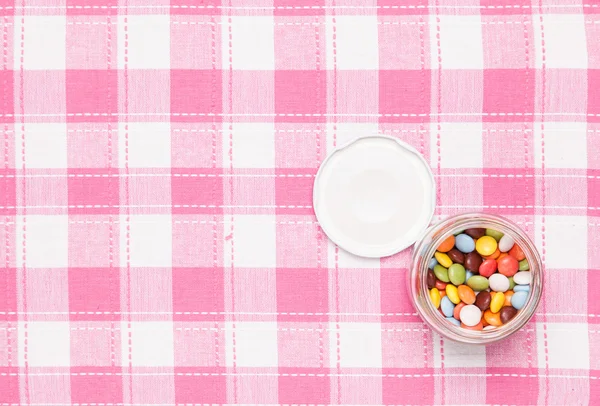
<point x="507" y="313"/>
<point x="475" y="232"/>
<point x="483" y="300"/>
<point x="456" y="256"/>
<point x="430" y="279"/>
<point x="473" y="261"/>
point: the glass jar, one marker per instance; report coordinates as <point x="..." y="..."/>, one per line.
<point x="423" y="252"/>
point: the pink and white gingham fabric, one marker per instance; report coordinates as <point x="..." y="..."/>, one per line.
<point x="157" y="240"/>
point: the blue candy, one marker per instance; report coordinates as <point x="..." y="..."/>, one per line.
<point x="469" y="274"/>
<point x="464" y="243"/>
<point x="522" y="288"/>
<point x="447" y="307"/>
<point x="432" y="263"/>
<point x="453" y="321"/>
<point x="518" y="299"/>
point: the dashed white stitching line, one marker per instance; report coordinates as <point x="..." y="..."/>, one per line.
<point x="315" y="131"/>
<point x="175" y="222"/>
<point x="491" y="114"/>
<point x="379" y="375"/>
<point x="159" y="175"/>
<point x="276" y="175"/>
<point x="263" y="313"/>
<point x="313" y="7"/>
<point x="183" y="206"/>
<point x="270" y="206"/>
<point x="392" y="23"/>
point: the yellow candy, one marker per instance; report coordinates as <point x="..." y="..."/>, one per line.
<point x="443" y="259"/>
<point x="434" y="295"/>
<point x="497" y="302"/>
<point x="486" y="245"/>
<point x="452" y="293"/>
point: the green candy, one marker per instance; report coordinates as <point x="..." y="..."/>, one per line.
<point x="457" y="274"/>
<point x="512" y="283"/>
<point x="496" y="235"/>
<point x="524" y="265"/>
<point x="441" y="273"/>
<point x="478" y="283"/>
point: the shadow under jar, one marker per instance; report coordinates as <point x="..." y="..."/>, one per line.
<point x="425" y="249"/>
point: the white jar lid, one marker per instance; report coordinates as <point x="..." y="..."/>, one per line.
<point x="374" y="196"/>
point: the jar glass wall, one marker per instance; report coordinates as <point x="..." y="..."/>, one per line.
<point x="424" y="251"/>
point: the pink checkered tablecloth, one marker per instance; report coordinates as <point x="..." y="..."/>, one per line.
<point x="158" y="244"/>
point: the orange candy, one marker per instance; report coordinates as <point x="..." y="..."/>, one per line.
<point x="485" y="323"/>
<point x="502" y="255"/>
<point x="495" y="255"/>
<point x="457" y="309"/>
<point x="517" y="253"/>
<point x="442" y="293"/>
<point x="477" y="327"/>
<point x="493" y="319"/>
<point x="447" y="244"/>
<point x="507" y="298"/>
<point x="466" y="294"/>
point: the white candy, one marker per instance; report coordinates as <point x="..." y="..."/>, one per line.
<point x="499" y="282"/>
<point x="489" y="328"/>
<point x="470" y="315"/>
<point x="522" y="278"/>
<point x="506" y="243"/>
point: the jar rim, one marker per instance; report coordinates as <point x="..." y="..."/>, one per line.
<point x="425" y="248"/>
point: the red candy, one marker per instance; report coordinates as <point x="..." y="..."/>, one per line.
<point x="508" y="266"/>
<point x="517" y="253"/>
<point x="477" y="327"/>
<point x="457" y="309"/>
<point x="440" y="285"/>
<point x="488" y="267"/>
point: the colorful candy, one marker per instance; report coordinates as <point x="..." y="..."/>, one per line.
<point x="441" y="273"/>
<point x="497" y="302"/>
<point x="507" y="313"/>
<point x="483" y="300"/>
<point x="493" y="319"/>
<point x="488" y="268"/>
<point x="475" y="232"/>
<point x="522" y="278"/>
<point x="435" y="297"/>
<point x="495" y="234"/>
<point x="479" y="279"/>
<point x="518" y="299"/>
<point x="470" y="315"/>
<point x="447" y="306"/>
<point x="457" y="310"/>
<point x="478" y="283"/>
<point x="452" y="292"/>
<point x="472" y="262"/>
<point x="430" y="279"/>
<point x="456" y="256"/>
<point x="499" y="283"/>
<point x="517" y="252"/>
<point x="443" y="259"/>
<point x="508" y="266"/>
<point x="466" y="294"/>
<point x="446" y="245"/>
<point x="464" y="243"/>
<point x="486" y="245"/>
<point x="457" y="274"/>
<point x="506" y="243"/>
